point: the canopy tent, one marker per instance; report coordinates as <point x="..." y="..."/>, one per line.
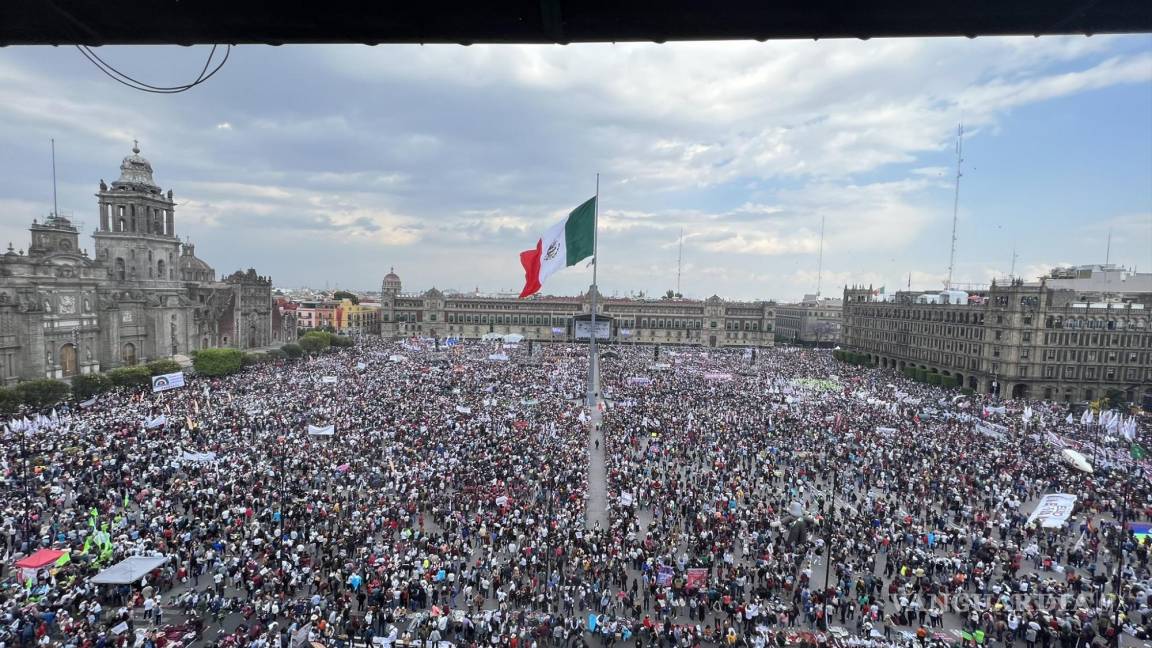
<point x="489" y="337"/>
<point x="513" y="338"/>
<point x="129" y="570"/>
<point x="40" y="559"/>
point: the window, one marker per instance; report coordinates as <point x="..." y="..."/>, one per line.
<point x="1026" y="337"/>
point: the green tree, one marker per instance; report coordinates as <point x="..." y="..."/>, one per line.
<point x="342" y="341"/>
<point x="10" y="400"/>
<point x="249" y="359"/>
<point x="274" y="355"/>
<point x="43" y="392"/>
<point x="344" y="294"/>
<point x="85" y="386"/>
<point x="165" y="366"/>
<point x="292" y="350"/>
<point x="315" y="341"/>
<point x="218" y="362"/>
<point x="130" y="376"/>
<point x="1115" y="399"/>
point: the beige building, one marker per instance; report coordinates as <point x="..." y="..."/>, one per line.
<point x="1069" y="343"/>
<point x="713" y="322"/>
<point x="813" y="321"/>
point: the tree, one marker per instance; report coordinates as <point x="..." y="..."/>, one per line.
<point x="315" y="341"/>
<point x="669" y="295"/>
<point x="165" y="366"/>
<point x="10" y="400"/>
<point x="344" y="294"/>
<point x="275" y="355"/>
<point x="249" y="359"/>
<point x="130" y="376"/>
<point x="342" y="341"/>
<point x="292" y="350"/>
<point x="218" y="362"/>
<point x="1115" y="399"/>
<point x="85" y="386"/>
<point x="43" y="392"/>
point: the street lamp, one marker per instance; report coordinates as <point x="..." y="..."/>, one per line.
<point x="280" y="440"/>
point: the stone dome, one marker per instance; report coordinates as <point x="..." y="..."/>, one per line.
<point x="136" y="173"/>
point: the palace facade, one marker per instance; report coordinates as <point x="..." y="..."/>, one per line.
<point x="713" y="322"/>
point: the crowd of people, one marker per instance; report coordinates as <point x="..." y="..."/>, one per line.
<point x="408" y="492"/>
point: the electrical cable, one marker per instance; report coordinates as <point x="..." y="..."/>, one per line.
<point x="123" y="79"/>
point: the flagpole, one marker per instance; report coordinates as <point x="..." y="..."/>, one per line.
<point x="592" y="352"/>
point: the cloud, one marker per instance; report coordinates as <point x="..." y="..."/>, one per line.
<point x="322" y="164"/>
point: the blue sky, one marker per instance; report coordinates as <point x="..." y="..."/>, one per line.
<point x="331" y="164"/>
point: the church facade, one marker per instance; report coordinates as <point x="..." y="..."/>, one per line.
<point x="143" y="295"/>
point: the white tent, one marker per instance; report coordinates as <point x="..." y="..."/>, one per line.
<point x="487" y="337"/>
<point x="129" y="570"/>
<point x="513" y="338"/>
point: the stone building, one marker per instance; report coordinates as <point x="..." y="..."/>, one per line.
<point x="1072" y="342"/>
<point x="813" y="321"/>
<point x="713" y="322"/>
<point x="143" y="295"/>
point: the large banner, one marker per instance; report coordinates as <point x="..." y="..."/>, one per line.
<point x="583" y="329"/>
<point x="167" y="381"/>
<point x="992" y="430"/>
<point x="697" y="578"/>
<point x="327" y="430"/>
<point x="1053" y="510"/>
<point x="159" y="421"/>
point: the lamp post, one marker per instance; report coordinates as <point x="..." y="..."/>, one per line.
<point x="1121" y="537"/>
<point x="283" y="455"/>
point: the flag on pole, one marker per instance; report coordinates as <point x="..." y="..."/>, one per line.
<point x="564" y="244"/>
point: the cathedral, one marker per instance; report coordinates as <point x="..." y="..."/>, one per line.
<point x="144" y="295"/>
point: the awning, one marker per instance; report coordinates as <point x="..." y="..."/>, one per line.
<point x="129" y="570"/>
<point x="42" y="558"/>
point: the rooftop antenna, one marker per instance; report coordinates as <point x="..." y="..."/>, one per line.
<point x="1108" y="249"/>
<point x="55" y="209"/>
<point x="820" y="258"/>
<point x="956" y="202"/>
<point x="1012" y="272"/>
<point x="679" y="261"/>
<point x="909" y="281"/>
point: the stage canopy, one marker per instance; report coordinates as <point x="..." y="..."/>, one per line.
<point x="129" y="570"/>
<point x="40" y="559"/>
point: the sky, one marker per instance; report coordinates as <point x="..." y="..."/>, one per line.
<point x="329" y="165"/>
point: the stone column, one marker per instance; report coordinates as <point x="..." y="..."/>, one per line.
<point x="104" y="209"/>
<point x="169" y="223"/>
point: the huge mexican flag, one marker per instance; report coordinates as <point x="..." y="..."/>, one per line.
<point x="564" y="244"/>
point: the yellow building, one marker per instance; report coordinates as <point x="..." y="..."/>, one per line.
<point x="361" y="319"/>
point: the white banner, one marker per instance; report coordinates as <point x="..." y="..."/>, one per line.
<point x="463" y="410"/>
<point x="626" y="498"/>
<point x="498" y="356"/>
<point x="885" y="430"/>
<point x="1053" y="510"/>
<point x="159" y="421"/>
<point x="167" y="381"/>
<point x="327" y="430"/>
<point x="199" y="457"/>
<point x="993" y="430"/>
<point x="328" y="380"/>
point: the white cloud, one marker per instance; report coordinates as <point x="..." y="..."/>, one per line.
<point x="224" y="126"/>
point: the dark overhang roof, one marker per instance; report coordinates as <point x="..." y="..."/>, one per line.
<point x="187" y="22"/>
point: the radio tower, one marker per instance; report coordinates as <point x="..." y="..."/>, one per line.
<point x="820" y="259"/>
<point x="956" y="202"/>
<point x="679" y="261"/>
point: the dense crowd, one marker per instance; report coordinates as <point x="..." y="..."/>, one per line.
<point x="779" y="498"/>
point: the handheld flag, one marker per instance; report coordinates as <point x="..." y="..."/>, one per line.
<point x="1137" y="452"/>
